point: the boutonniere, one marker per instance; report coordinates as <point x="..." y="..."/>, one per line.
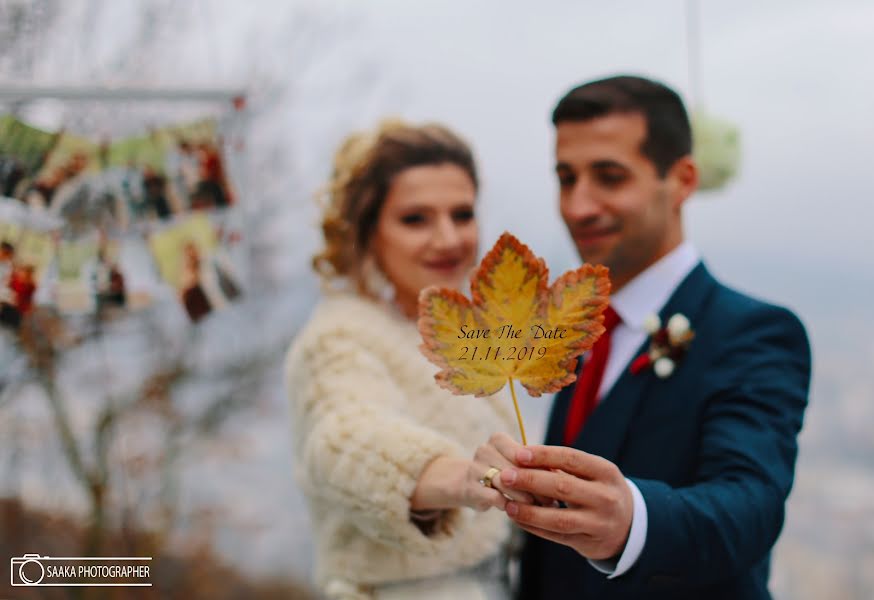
<point x="667" y="345"/>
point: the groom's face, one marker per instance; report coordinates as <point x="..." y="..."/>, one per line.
<point x="618" y="210"/>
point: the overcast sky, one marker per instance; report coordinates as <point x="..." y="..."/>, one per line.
<point x="794" y="76"/>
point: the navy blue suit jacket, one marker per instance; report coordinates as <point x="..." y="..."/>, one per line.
<point x="712" y="449"/>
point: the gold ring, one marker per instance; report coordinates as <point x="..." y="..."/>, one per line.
<point x="486" y="480"/>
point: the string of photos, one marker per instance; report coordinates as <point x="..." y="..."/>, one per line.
<point x="114" y="226"/>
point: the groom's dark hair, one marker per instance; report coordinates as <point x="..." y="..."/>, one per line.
<point x="668" y="133"/>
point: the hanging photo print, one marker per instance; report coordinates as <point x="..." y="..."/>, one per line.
<point x="88" y="222"/>
<point x="26" y="252"/>
<point x="191" y="259"/>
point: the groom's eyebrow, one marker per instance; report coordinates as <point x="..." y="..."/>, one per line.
<point x="608" y="164"/>
<point x="598" y="164"/>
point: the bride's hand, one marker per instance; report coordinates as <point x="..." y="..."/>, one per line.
<point x="488" y="462"/>
<point x="449" y="482"/>
<point x="501" y="451"/>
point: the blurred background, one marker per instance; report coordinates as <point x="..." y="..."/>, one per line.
<point x="142" y="407"/>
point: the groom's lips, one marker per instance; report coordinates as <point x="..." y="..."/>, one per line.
<point x="594" y="236"/>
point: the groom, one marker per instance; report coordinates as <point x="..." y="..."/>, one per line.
<point x="670" y="478"/>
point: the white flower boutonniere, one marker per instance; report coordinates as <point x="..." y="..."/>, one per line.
<point x="667" y="345"/>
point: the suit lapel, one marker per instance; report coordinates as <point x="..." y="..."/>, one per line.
<point x="605" y="430"/>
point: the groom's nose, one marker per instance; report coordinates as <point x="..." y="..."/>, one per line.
<point x="580" y="203"/>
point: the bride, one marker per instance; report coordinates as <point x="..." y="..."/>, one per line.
<point x="398" y="491"/>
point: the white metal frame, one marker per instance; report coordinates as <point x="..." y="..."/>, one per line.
<point x="27" y="92"/>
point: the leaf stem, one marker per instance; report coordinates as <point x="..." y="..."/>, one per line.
<point x="518" y="414"/>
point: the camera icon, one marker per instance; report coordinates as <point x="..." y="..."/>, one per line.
<point x="27" y="569"/>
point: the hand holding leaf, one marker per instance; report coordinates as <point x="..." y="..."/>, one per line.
<point x="516" y="327"/>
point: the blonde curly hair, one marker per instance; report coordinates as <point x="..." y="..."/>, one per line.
<point x="364" y="166"/>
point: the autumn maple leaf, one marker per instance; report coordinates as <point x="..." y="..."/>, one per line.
<point x="516" y="327"/>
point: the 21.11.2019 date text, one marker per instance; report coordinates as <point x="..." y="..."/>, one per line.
<point x="512" y="353"/>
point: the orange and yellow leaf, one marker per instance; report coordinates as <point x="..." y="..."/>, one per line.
<point x="516" y="327"/>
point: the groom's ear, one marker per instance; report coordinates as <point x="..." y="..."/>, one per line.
<point x="682" y="180"/>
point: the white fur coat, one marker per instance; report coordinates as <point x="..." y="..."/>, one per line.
<point x="367" y="417"/>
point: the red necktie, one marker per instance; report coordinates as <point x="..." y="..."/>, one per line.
<point x="586" y="391"/>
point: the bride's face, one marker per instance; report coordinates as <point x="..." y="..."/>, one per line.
<point x="426" y="233"/>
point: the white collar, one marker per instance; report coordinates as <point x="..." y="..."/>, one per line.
<point x="647" y="293"/>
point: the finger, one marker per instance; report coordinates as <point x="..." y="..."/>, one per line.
<point x="511" y="494"/>
<point x="479" y="469"/>
<point x="559" y="521"/>
<point x="486" y="498"/>
<point x="573" y="461"/>
<point x="556" y="485"/>
<point x="507" y="446"/>
<point x="500" y="452"/>
<point x="490" y="455"/>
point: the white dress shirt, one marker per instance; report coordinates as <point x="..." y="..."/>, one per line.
<point x="643" y="296"/>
